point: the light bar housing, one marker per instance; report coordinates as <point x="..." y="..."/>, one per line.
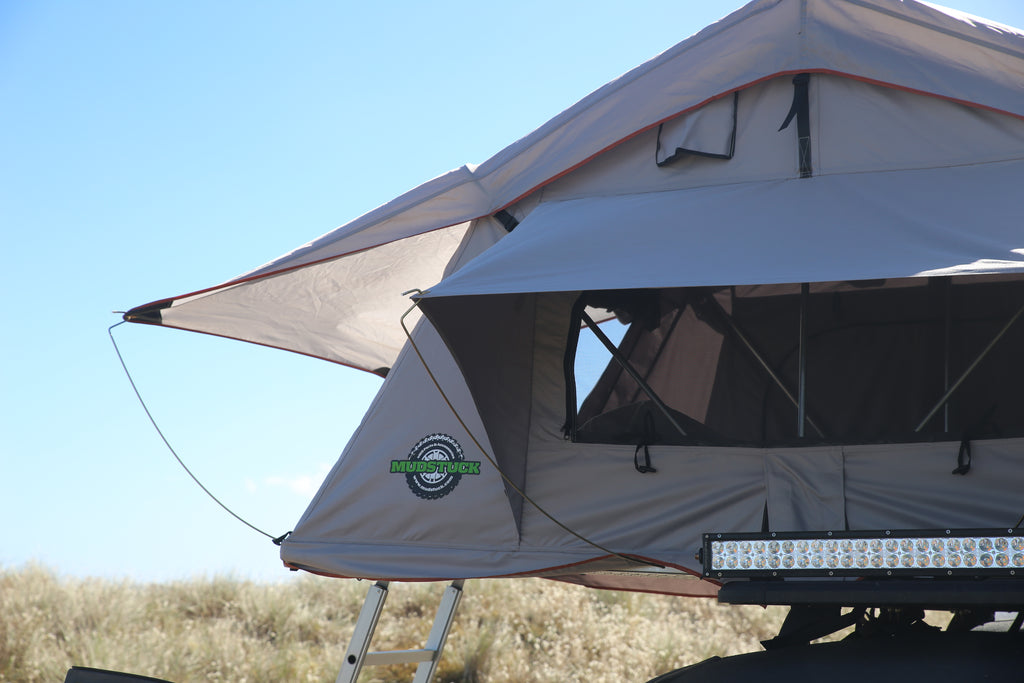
<point x="897" y="553"/>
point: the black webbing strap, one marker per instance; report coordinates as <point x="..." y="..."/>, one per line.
<point x="963" y="458"/>
<point x="801" y="109"/>
<point x="507" y="220"/>
<point x="650" y="435"/>
<point x="644" y="468"/>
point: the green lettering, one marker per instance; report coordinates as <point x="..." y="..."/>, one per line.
<point x="435" y="466"/>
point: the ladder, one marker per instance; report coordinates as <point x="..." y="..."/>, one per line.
<point x="427" y="657"/>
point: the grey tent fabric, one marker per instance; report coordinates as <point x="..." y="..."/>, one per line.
<point x="677" y="199"/>
<point x="906" y="49"/>
<point x="795" y="230"/>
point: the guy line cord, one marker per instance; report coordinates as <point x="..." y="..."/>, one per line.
<point x="492" y="460"/>
<point x="276" y="539"/>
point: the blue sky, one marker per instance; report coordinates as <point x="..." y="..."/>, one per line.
<point x="151" y="149"/>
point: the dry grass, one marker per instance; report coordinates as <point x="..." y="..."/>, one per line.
<point x="220" y="629"/>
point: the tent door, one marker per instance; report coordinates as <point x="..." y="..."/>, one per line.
<point x="427" y="657"/>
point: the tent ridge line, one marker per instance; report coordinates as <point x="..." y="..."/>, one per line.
<point x="629" y="137"/>
<point x="245" y="279"/>
<point x="866" y="4"/>
<point x="648" y="127"/>
<point x="589" y="101"/>
<point x="370" y="219"/>
<point x="283" y="271"/>
<point x="758" y="81"/>
<point x="471" y="178"/>
<point x="375" y="221"/>
<point x="610" y="88"/>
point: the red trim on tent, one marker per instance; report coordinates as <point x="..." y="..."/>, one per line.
<point x="793" y="72"/>
<point x="533" y="574"/>
<point x="164" y="303"/>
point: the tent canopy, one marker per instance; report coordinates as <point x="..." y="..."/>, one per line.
<point x="848" y="168"/>
<point x="332" y="298"/>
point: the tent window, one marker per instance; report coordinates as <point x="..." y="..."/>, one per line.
<point x="724" y="364"/>
<point x="592" y="357"/>
<point x="708" y="132"/>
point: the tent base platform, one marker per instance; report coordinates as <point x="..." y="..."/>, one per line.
<point x="926" y="594"/>
<point x="972" y="656"/>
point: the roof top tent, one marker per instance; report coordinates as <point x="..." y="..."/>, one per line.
<point x="803" y="223"/>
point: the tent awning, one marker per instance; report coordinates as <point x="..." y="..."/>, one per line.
<point x="817" y="229"/>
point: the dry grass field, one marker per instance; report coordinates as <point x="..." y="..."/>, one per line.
<point x="220" y="629"/>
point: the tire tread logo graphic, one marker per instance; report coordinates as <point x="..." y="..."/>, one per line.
<point x="435" y="466"/>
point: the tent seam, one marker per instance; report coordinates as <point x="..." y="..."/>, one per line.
<point x="940" y="29"/>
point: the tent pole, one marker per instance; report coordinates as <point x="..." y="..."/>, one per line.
<point x="631" y="371"/>
<point x="969" y="370"/>
<point x="760" y="359"/>
<point x="947" y="335"/>
<point x="801" y="403"/>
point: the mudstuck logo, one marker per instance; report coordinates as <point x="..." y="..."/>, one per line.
<point x="435" y="466"/>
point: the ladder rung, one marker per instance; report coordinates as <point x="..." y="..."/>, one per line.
<point x="398" y="657"/>
<point x="426" y="657"/>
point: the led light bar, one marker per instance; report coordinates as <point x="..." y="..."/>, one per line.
<point x="930" y="552"/>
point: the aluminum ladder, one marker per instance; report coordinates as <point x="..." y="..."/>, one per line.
<point x="427" y="657"/>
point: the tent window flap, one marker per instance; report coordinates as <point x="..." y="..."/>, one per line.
<point x="708" y="132"/>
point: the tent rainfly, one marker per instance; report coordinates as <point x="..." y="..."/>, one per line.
<point x="803" y="226"/>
